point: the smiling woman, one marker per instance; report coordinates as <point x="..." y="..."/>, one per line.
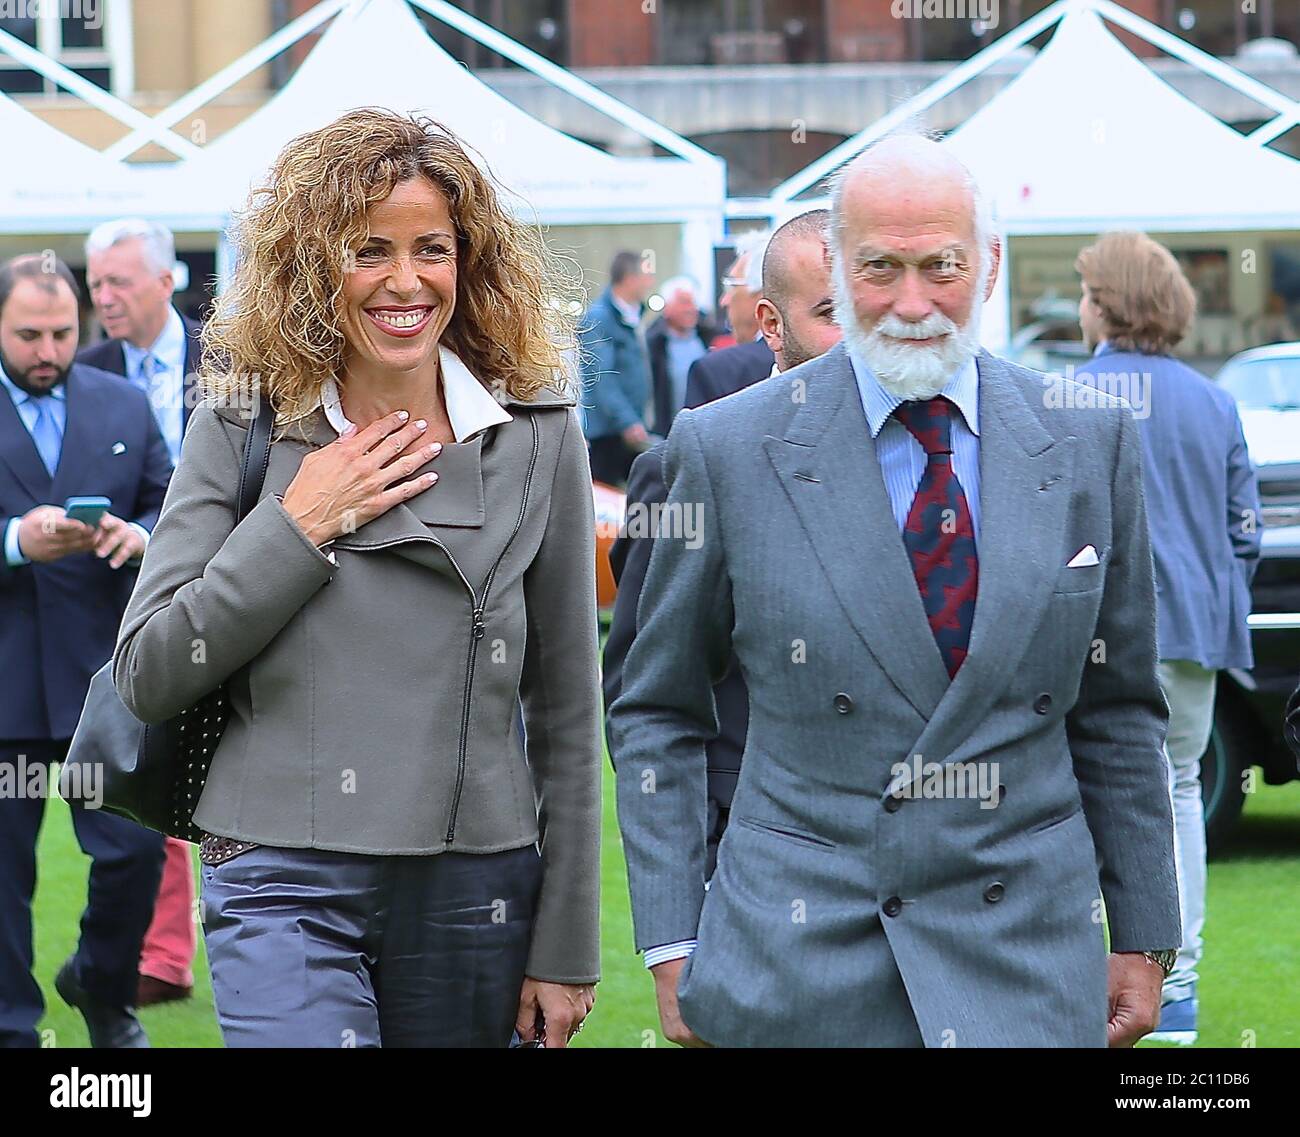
<point x="388" y="863"/>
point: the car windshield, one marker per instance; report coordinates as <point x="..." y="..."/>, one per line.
<point x="1264" y="383"/>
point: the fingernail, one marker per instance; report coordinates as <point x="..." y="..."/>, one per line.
<point x="403" y="415"/>
<point x="433" y="477"/>
<point x="420" y="424"/>
<point x="436" y="448"/>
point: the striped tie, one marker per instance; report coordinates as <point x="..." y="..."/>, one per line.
<point x="939" y="535"/>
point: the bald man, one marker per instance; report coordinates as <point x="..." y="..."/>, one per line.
<point x="796" y="317"/>
<point x="936" y="579"/>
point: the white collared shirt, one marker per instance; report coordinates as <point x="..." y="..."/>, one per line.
<point x="166" y="390"/>
<point x="471" y="408"/>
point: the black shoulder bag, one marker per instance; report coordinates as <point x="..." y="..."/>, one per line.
<point x="154" y="774"/>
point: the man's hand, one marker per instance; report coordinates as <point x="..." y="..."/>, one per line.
<point x="636" y="438"/>
<point x="561" y="1007"/>
<point x="1134" y="997"/>
<point x="670" y="1018"/>
<point x="117" y="541"/>
<point x="47" y="534"/>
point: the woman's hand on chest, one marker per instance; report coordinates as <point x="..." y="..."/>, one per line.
<point x="364" y="473"/>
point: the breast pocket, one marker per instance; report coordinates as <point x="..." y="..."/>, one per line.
<point x="1082" y="578"/>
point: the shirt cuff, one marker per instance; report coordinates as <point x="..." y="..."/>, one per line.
<point x="665" y="952"/>
<point x="13" y="554"/>
<point x="144" y="536"/>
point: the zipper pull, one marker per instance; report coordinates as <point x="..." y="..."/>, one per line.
<point x="479" y="628"/>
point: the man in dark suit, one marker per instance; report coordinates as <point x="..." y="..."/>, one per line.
<point x="749" y="358"/>
<point x="66" y="430"/>
<point x="674" y="342"/>
<point x="129" y="271"/>
<point x="797" y="319"/>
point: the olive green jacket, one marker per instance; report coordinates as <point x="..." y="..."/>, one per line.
<point x="374" y="701"/>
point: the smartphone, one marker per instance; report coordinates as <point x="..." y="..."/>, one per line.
<point x="87" y="510"/>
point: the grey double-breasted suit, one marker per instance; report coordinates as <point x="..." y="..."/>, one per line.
<point x="848" y="908"/>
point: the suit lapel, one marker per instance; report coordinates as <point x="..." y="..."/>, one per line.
<point x="827" y="465"/>
<point x="19" y="453"/>
<point x="1024" y="504"/>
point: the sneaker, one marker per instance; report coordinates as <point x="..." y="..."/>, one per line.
<point x="1177" y="1023"/>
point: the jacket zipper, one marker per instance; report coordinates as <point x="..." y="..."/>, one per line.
<point x="477" y="627"/>
<point x="477" y="631"/>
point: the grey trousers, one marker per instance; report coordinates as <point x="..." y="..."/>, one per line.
<point x="311" y="948"/>
<point x="1189" y="689"/>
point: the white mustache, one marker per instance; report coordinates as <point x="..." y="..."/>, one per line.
<point x="932" y="327"/>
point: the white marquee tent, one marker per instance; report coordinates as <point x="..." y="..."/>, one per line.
<point x="377" y="54"/>
<point x="373" y="53"/>
<point x="1088" y="138"/>
<point x="50" y="183"/>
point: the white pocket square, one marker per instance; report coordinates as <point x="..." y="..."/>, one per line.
<point x="1084" y="557"/>
<point x="119" y="447"/>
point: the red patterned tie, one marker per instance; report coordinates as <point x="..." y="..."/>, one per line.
<point x="939" y="536"/>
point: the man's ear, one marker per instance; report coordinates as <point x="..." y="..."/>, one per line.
<point x="995" y="262"/>
<point x="770" y="323"/>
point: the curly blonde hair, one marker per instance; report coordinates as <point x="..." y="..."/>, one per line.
<point x="277" y="330"/>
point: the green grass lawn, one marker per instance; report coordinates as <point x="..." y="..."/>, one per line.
<point x="1250" y="977"/>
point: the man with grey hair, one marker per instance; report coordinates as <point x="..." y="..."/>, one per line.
<point x="130" y="268"/>
<point x="129" y="272"/>
<point x="941" y="801"/>
<point x="674" y="341"/>
<point x="749" y="359"/>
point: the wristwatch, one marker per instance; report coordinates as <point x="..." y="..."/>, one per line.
<point x="1163" y="959"/>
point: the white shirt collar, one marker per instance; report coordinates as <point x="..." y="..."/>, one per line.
<point x="776" y="370"/>
<point x="470" y="406"/>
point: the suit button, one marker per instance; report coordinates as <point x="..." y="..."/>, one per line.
<point x="892" y="803"/>
<point x="892" y="907"/>
<point x="994" y="892"/>
<point x="843" y="703"/>
<point x="1042" y="703"/>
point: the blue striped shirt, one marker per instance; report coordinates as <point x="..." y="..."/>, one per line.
<point x="902" y="458"/>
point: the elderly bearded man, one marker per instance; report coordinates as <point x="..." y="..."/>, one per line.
<point x="915" y="559"/>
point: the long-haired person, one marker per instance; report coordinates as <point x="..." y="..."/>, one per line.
<point x="387" y="866"/>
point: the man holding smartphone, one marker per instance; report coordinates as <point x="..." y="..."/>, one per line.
<point x="66" y="431"/>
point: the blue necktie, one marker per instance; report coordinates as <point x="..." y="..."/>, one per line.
<point x="46" y="433"/>
<point x="150" y="367"/>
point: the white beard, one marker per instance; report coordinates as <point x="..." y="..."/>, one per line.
<point x="904" y="369"/>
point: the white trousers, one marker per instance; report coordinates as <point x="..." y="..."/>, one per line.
<point x="1189" y="690"/>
